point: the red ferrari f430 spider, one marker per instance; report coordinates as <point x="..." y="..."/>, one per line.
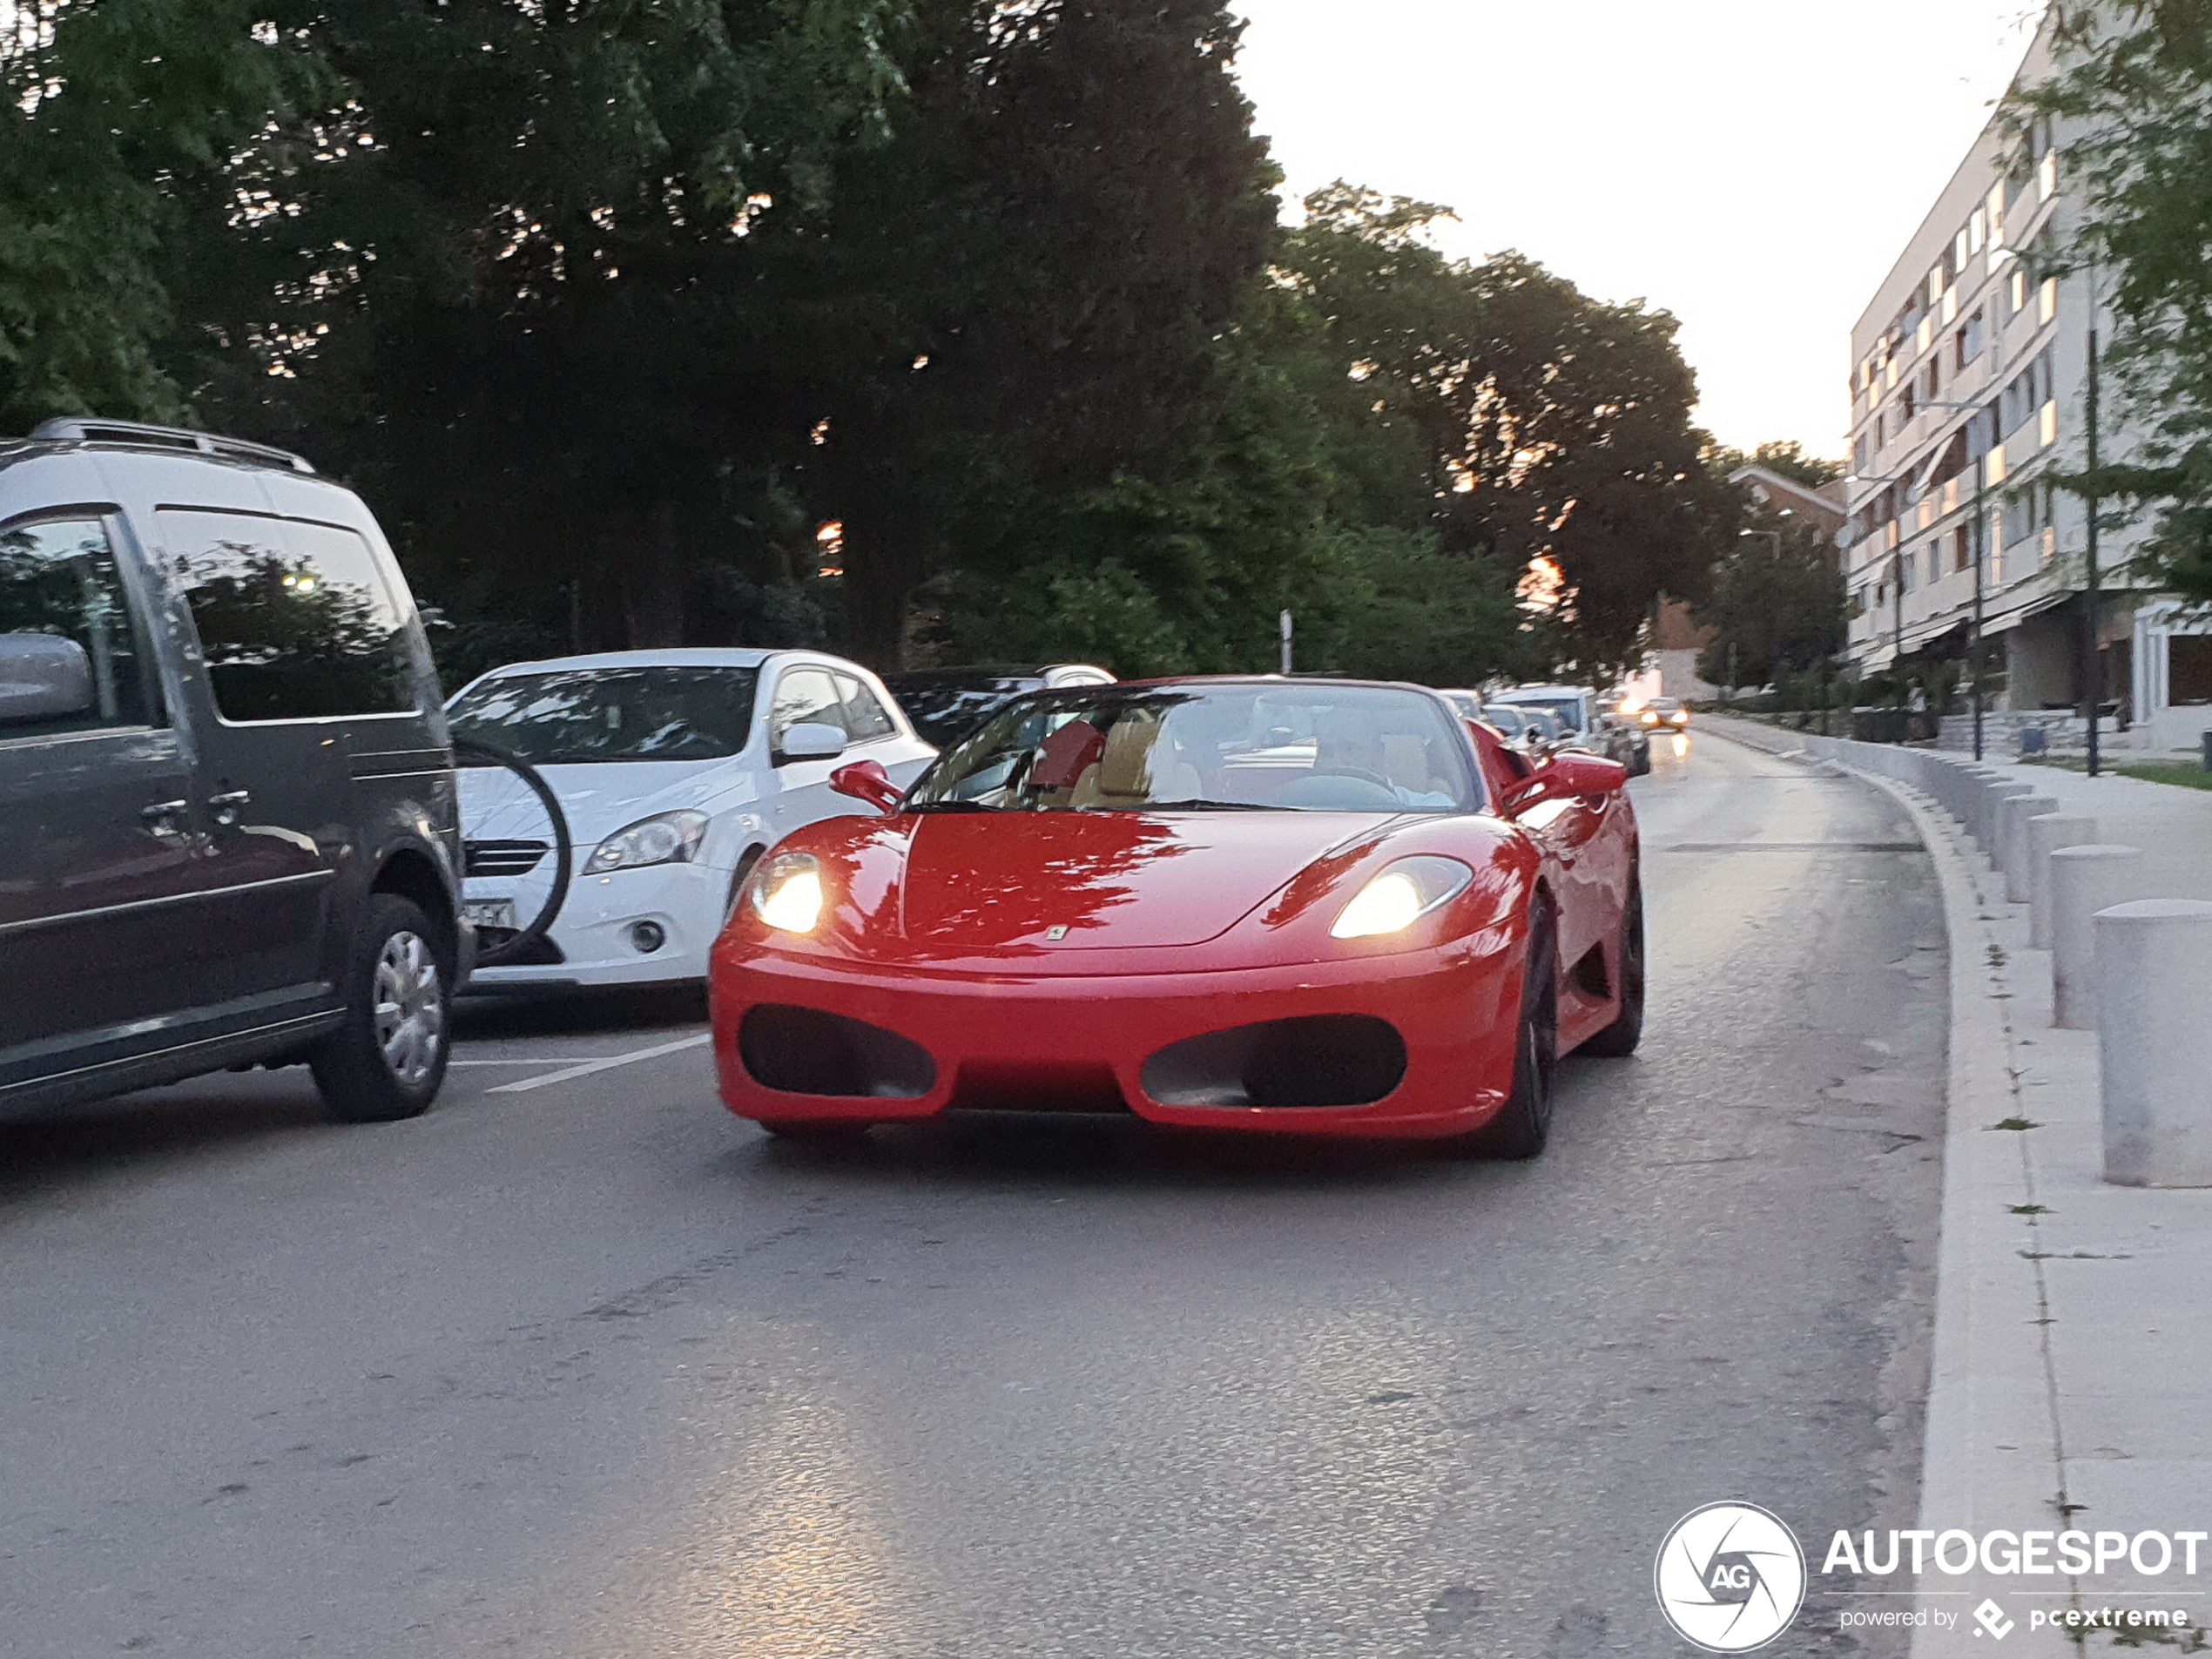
<point x="1281" y="906"/>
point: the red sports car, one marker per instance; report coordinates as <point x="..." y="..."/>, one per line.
<point x="1305" y="906"/>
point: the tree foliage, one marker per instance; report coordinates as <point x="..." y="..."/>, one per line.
<point x="1784" y="457"/>
<point x="954" y="328"/>
<point x="2131" y="104"/>
<point x="1776" y="601"/>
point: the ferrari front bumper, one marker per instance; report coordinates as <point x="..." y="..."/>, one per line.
<point x="1006" y="1041"/>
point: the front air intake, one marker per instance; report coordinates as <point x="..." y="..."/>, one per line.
<point x="806" y="1051"/>
<point x="1321" y="1060"/>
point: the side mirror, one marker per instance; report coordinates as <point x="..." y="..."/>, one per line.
<point x="810" y="740"/>
<point x="866" y="780"/>
<point x="43" y="676"/>
<point x="1569" y="772"/>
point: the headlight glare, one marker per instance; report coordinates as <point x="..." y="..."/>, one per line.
<point x="669" y="838"/>
<point x="1396" y="898"/>
<point x="787" y="892"/>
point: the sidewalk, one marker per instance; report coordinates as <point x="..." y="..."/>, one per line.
<point x="2073" y="1367"/>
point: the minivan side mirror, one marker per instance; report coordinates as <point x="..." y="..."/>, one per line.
<point x="43" y="676"/>
<point x="810" y="740"/>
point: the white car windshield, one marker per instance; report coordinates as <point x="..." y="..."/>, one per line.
<point x="566" y="717"/>
<point x="1226" y="747"/>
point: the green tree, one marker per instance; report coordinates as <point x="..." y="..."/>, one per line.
<point x="1777" y="600"/>
<point x="105" y="110"/>
<point x="1786" y="457"/>
<point x="1557" y="428"/>
<point x="2131" y="106"/>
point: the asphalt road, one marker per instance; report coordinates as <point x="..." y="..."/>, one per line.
<point x="586" y="1368"/>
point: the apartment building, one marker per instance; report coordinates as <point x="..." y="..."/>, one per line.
<point x="1969" y="388"/>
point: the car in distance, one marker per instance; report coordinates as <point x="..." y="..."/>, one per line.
<point x="1626" y="741"/>
<point x="1282" y="907"/>
<point x="226" y="792"/>
<point x="675" y="770"/>
<point x="1664" y="714"/>
<point x="947" y="704"/>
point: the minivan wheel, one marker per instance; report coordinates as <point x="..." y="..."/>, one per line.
<point x="387" y="1061"/>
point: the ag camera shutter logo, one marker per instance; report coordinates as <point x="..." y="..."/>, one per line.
<point x="1730" y="1577"/>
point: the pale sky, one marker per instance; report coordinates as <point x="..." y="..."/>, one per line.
<point x="1753" y="166"/>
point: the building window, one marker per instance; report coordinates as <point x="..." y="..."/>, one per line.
<point x="2048" y="306"/>
<point x="2047" y="431"/>
<point x="2188" y="670"/>
<point x="2046" y="174"/>
<point x="1962" y="548"/>
<point x="2018" y="291"/>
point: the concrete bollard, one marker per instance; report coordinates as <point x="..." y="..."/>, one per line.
<point x="2045" y="836"/>
<point x="2084" y="879"/>
<point x="2012" y="842"/>
<point x="1990" y="830"/>
<point x="2155" y="1031"/>
<point x="1966" y="796"/>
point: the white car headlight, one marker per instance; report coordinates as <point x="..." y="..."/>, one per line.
<point x="787" y="892"/>
<point x="1395" y="898"/>
<point x="670" y="838"/>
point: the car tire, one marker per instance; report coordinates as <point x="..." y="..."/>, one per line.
<point x="387" y="1058"/>
<point x="1619" y="1040"/>
<point x="1523" y="1125"/>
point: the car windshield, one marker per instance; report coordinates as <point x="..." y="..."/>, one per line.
<point x="1227" y="747"/>
<point x="944" y="708"/>
<point x="586" y="715"/>
<point x="1566" y="711"/>
<point x="1508" y="719"/>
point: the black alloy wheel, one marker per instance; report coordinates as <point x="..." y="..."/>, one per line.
<point x="1523" y="1125"/>
<point x="1619" y="1040"/>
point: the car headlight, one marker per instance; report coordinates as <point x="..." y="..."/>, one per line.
<point x="1395" y="898"/>
<point x="787" y="892"/>
<point x="670" y="838"/>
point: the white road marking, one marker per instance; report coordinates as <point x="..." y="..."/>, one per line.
<point x="588" y="1067"/>
<point x="549" y="1060"/>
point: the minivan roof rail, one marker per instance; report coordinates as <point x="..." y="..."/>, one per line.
<point x="138" y="436"/>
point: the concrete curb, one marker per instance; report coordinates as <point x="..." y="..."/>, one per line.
<point x="1993" y="1454"/>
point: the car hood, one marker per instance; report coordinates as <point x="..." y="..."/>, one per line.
<point x="597" y="799"/>
<point x="1112" y="880"/>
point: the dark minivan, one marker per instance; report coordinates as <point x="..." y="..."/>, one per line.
<point x="226" y="789"/>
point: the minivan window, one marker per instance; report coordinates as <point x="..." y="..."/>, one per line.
<point x="294" y="619"/>
<point x="575" y="716"/>
<point x="57" y="578"/>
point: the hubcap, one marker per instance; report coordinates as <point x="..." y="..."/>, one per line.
<point x="410" y="1008"/>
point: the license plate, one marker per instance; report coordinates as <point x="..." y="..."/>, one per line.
<point x="491" y="913"/>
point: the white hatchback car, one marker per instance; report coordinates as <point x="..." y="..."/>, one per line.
<point x="676" y="769"/>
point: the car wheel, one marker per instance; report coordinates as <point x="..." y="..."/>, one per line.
<point x="1619" y="1039"/>
<point x="1521" y="1128"/>
<point x="387" y="1058"/>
